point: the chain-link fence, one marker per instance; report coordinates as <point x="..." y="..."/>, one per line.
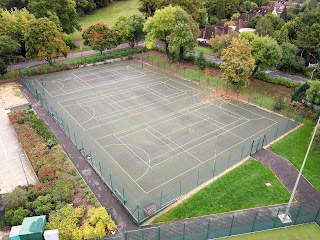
<point x="223" y="226"/>
<point x="164" y="197"/>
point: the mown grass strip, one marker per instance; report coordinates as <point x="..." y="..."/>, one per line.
<point x="242" y="188"/>
<point x="294" y="147"/>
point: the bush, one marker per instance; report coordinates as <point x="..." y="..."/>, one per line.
<point x="67" y="220"/>
<point x="313" y="92"/>
<point x="19" y="215"/>
<point x="279" y="103"/>
<point x="200" y="61"/>
<point x="37" y="124"/>
<point x="17" y="198"/>
<point x="68" y="40"/>
<point x="100" y="214"/>
<point x="276" y="80"/>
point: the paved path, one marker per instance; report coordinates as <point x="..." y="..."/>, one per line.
<point x="100" y="190"/>
<point x="288" y="174"/>
<point x="210" y="57"/>
<point x="16" y="169"/>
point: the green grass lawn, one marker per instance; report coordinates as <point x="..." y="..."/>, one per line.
<point x="294" y="147"/>
<point x="108" y="14"/>
<point x="204" y="50"/>
<point x="242" y="188"/>
<point x="309" y="231"/>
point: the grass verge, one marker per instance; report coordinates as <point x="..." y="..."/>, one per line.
<point x="242" y="188"/>
<point x="294" y="147"/>
<point x="204" y="50"/>
<point x="309" y="231"/>
<point x="108" y="14"/>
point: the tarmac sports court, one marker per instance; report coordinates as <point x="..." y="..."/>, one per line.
<point x="154" y="136"/>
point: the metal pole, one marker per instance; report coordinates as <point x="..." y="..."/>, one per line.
<point x="208" y="229"/>
<point x="300" y="173"/>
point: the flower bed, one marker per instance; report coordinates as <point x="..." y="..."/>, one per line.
<point x="59" y="186"/>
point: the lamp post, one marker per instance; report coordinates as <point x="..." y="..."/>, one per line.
<point x="284" y="217"/>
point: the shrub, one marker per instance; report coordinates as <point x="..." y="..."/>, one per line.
<point x="67" y="220"/>
<point x="316" y="141"/>
<point x="17" y="198"/>
<point x="68" y="40"/>
<point x="37" y="124"/>
<point x="19" y="215"/>
<point x="279" y="103"/>
<point x="200" y="61"/>
<point x="275" y="80"/>
<point x="313" y="92"/>
<point x="100" y="214"/>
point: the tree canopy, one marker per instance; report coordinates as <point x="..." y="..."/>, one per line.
<point x="61" y="12"/>
<point x="8" y="52"/>
<point x="44" y="40"/>
<point x="100" y="37"/>
<point x="175" y="28"/>
<point x="130" y="28"/>
<point x="238" y="63"/>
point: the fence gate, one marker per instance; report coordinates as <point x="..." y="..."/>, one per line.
<point x="257" y="144"/>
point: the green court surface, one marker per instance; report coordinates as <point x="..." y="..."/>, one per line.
<point x="153" y="136"/>
<point x="309" y="231"/>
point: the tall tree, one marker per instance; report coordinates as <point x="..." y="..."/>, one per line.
<point x="165" y="26"/>
<point x="8" y="4"/>
<point x="149" y="7"/>
<point x="264" y="27"/>
<point x="290" y="61"/>
<point x="100" y="37"/>
<point x="44" y="40"/>
<point x="62" y="12"/>
<point x="219" y="43"/>
<point x="14" y="24"/>
<point x="8" y="52"/>
<point x="281" y="36"/>
<point x="284" y="14"/>
<point x="221" y="9"/>
<point x="238" y="63"/>
<point x="266" y="52"/>
<point x="130" y="28"/>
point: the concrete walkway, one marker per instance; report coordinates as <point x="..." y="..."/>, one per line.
<point x="15" y="167"/>
<point x="288" y="174"/>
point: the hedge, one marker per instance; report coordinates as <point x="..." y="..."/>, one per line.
<point x="276" y="80"/>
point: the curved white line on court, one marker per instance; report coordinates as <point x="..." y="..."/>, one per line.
<point x="246" y="118"/>
<point x="92" y="116"/>
<point x="225" y="112"/>
<point x="132" y="145"/>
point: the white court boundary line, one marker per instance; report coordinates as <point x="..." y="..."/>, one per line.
<point x="225" y="131"/>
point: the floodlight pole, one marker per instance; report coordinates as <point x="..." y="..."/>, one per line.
<point x="284" y="218"/>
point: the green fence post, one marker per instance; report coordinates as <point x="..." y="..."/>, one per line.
<point x="125" y="235"/>
<point x="287" y="126"/>
<point x="100" y="168"/>
<point x="254" y="220"/>
<point x="317" y="215"/>
<point x="208" y="228"/>
<point x="111" y="182"/>
<point x="142" y="234"/>
<point x="297" y="215"/>
<point x="75" y="139"/>
<point x="138" y="213"/>
<point x="242" y="152"/>
<point x="231" y="225"/>
<point x="159" y="233"/>
<point x="184" y="231"/>
<point x="275" y="220"/>
<point x="229" y="160"/>
<point x="214" y="168"/>
<point x="276" y="133"/>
